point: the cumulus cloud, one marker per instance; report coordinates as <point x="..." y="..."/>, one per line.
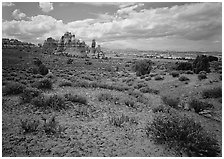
<point x="194" y="23"/>
<point x="17" y="14"/>
<point x="128" y="8"/>
<point x="7" y="4"/>
<point x="46" y="6"/>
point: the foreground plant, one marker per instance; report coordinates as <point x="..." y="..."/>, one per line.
<point x="182" y="133"/>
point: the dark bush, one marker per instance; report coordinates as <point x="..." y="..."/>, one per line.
<point x="52" y="127"/>
<point x="29" y="125"/>
<point x="29" y="93"/>
<point x="148" y="78"/>
<point x="202" y="76"/>
<point x="149" y="90"/>
<point x="183" y="133"/>
<point x="88" y="63"/>
<point x="212" y="58"/>
<point x="37" y="62"/>
<point x="201" y="63"/>
<point x="199" y="105"/>
<point x="184" y="66"/>
<point x="76" y="98"/>
<point x="171" y="101"/>
<point x="43" y="70"/>
<point x="43" y="84"/>
<point x="119" y="121"/>
<point x="158" y="78"/>
<point x="69" y="61"/>
<point x="54" y="102"/>
<point x="175" y="74"/>
<point x="212" y="93"/>
<point x="142" y="67"/>
<point x="161" y="108"/>
<point x="183" y="78"/>
<point x="189" y="72"/>
<point x="65" y="83"/>
<point x="129" y="102"/>
<point x="13" y="88"/>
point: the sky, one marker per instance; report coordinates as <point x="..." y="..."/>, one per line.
<point x="118" y="25"/>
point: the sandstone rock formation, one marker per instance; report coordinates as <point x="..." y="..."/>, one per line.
<point x="68" y="44"/>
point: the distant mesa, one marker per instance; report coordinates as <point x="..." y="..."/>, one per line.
<point x="14" y="43"/>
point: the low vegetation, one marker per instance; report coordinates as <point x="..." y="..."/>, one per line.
<point x="29" y="125"/>
<point x="13" y="88"/>
<point x="142" y="67"/>
<point x="76" y="98"/>
<point x="158" y="78"/>
<point x="215" y="92"/>
<point x="183" y="78"/>
<point x="171" y="101"/>
<point x="54" y="102"/>
<point x="182" y="133"/>
<point x="29" y="93"/>
<point x="201" y="63"/>
<point x="51" y="126"/>
<point x="65" y="83"/>
<point x="44" y="83"/>
<point x="184" y="66"/>
<point x="199" y="106"/>
<point x="119" y="121"/>
<point x="175" y="74"/>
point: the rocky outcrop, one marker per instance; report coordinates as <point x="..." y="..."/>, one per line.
<point x="69" y="44"/>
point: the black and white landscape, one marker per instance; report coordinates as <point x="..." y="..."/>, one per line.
<point x="97" y="79"/>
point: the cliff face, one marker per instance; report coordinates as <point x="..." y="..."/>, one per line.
<point x="70" y="45"/>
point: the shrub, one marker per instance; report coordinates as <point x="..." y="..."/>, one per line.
<point x="153" y="74"/>
<point x="129" y="102"/>
<point x="201" y="63"/>
<point x="142" y="67"/>
<point x="161" y="108"/>
<point x="13" y="88"/>
<point x="105" y="97"/>
<point x="184" y="66"/>
<point x="51" y="126"/>
<point x="175" y="74"/>
<point x="43" y="84"/>
<point x="182" y="133"/>
<point x="69" y="61"/>
<point x="84" y="84"/>
<point x="65" y="83"/>
<point x="189" y="72"/>
<point x="212" y="93"/>
<point x="149" y="90"/>
<point x="88" y="63"/>
<point x="140" y="85"/>
<point x="29" y="93"/>
<point x="76" y="98"/>
<point x="158" y="78"/>
<point x="173" y="102"/>
<point x="108" y="97"/>
<point x="199" y="105"/>
<point x="29" y="125"/>
<point x="183" y="78"/>
<point x="54" y="102"/>
<point x="202" y="76"/>
<point x="43" y="70"/>
<point x="37" y="62"/>
<point x="212" y="58"/>
<point x="33" y="70"/>
<point x="121" y="120"/>
<point x="148" y="78"/>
